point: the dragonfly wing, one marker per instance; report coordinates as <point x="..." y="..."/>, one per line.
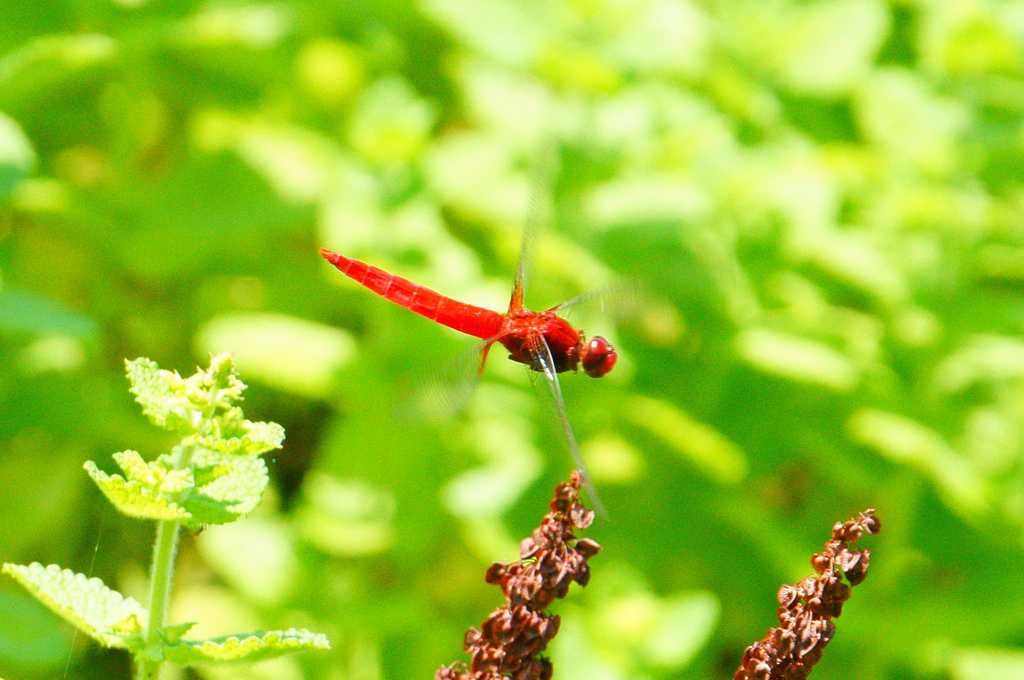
<point x="445" y="390"/>
<point x="620" y="298"/>
<point x="546" y="364"/>
<point x="442" y="390"/>
<point x="540" y="181"/>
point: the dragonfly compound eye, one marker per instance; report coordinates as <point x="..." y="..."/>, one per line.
<point x="598" y="357"/>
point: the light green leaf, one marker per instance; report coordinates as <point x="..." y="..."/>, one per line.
<point x="104" y="614"/>
<point x="832" y="44"/>
<point x="255" y="647"/>
<point x="985" y="359"/>
<point x="204" y="510"/>
<point x="262" y="437"/>
<point x="965" y="39"/>
<point x="796" y="358"/>
<point x="330" y="69"/>
<point x="390" y="123"/>
<point x="266" y="347"/>
<point x="21" y="310"/>
<point x="135" y="498"/>
<point x="821" y="48"/>
<point x="257" y="438"/>
<point x="514" y="103"/>
<point x="346" y="518"/>
<point x="187" y="404"/>
<point x="295" y="161"/>
<point x="229" y="495"/>
<point x="649" y="633"/>
<point x="242" y="487"/>
<point x="49" y="64"/>
<point x="207" y="473"/>
<point x="214" y="476"/>
<point x="475" y="173"/>
<point x="702" y="445"/>
<point x="852" y="258"/>
<point x="901" y="113"/>
<point x="16" y="156"/>
<point x="507" y="31"/>
<point x="648" y="198"/>
<point x="159" y="475"/>
<point x="174" y="633"/>
<point x="256" y="26"/>
<point x="257" y="557"/>
<point x="219" y="384"/>
<point x="911" y="443"/>
<point x="685" y="624"/>
<point x="665" y="37"/>
<point x="161" y="394"/>
<point x="985" y="664"/>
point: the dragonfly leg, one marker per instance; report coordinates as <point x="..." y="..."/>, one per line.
<point x="483" y="357"/>
<point x="542" y="353"/>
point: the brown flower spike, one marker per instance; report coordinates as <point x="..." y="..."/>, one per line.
<point x="807" y="609"/>
<point x="509" y="641"/>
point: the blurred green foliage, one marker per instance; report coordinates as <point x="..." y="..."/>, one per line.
<point x="825" y="200"/>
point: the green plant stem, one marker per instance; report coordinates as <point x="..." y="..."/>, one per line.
<point x="164" y="550"/>
<point x="159" y="594"/>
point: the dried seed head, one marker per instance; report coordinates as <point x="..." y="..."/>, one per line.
<point x="510" y="640"/>
<point x="806" y="610"/>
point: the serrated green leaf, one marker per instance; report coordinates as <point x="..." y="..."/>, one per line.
<point x="104" y="614"/>
<point x="228" y="496"/>
<point x="132" y="464"/>
<point x="160" y="393"/>
<point x="222" y="448"/>
<point x="204" y="510"/>
<point x="134" y="498"/>
<point x="159" y="476"/>
<point x="218" y="387"/>
<point x="205" y="474"/>
<point x="243" y="486"/>
<point x="172" y="634"/>
<point x="205" y="402"/>
<point x="256" y="438"/>
<point x="258" y="646"/>
<point x="262" y="437"/>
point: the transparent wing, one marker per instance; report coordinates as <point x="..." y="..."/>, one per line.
<point x="442" y="391"/>
<point x="536" y="214"/>
<point x="545" y="364"/>
<point x="621" y="298"/>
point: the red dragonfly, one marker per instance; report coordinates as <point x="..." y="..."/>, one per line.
<point x="542" y="340"/>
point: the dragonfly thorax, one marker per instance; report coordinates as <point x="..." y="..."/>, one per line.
<point x="568" y="347"/>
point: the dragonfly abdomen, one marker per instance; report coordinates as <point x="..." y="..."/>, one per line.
<point x="476" y="321"/>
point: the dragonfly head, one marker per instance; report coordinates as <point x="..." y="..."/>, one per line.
<point x="598" y="357"/>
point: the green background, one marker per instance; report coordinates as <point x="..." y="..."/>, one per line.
<point x="824" y="202"/>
